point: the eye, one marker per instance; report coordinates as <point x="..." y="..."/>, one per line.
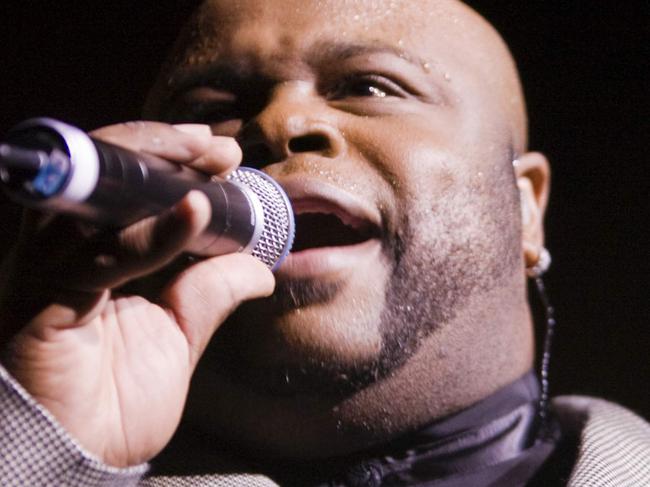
<point x="206" y="112"/>
<point x="205" y="104"/>
<point x="367" y="85"/>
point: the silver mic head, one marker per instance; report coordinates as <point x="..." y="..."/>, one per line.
<point x="276" y="236"/>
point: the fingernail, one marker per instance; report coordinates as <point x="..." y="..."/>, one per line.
<point x="195" y="198"/>
<point x="199" y="129"/>
<point x="227" y="144"/>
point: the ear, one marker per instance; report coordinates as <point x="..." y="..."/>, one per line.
<point x="534" y="181"/>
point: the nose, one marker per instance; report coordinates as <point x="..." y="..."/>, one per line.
<point x="295" y="120"/>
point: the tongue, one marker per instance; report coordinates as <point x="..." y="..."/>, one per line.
<point x="319" y="230"/>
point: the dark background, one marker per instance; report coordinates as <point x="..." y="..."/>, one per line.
<point x="583" y="65"/>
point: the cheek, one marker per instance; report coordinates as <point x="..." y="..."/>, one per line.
<point x="413" y="154"/>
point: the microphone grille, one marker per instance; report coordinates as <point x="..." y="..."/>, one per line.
<point x="277" y="235"/>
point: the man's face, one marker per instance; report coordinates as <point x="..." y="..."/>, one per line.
<point x="393" y="132"/>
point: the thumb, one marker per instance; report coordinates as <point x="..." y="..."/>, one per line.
<point x="203" y="296"/>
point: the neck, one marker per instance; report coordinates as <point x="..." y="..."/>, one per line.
<point x="487" y="435"/>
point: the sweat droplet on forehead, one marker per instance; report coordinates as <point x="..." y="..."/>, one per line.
<point x="384" y="19"/>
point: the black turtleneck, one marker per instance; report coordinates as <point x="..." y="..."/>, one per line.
<point x="498" y="441"/>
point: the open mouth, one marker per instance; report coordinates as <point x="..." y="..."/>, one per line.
<point x="323" y="225"/>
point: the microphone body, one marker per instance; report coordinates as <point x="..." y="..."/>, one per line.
<point x="52" y="166"/>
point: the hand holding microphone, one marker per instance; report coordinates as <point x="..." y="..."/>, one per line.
<point x="114" y="370"/>
<point x="47" y="164"/>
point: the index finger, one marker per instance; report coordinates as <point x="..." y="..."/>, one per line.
<point x="188" y="144"/>
<point x="222" y="156"/>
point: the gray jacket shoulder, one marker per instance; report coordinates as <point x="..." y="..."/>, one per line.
<point x="614" y="443"/>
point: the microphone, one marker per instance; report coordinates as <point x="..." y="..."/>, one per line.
<point x="49" y="165"/>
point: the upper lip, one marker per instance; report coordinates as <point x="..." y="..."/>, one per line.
<point x="312" y="195"/>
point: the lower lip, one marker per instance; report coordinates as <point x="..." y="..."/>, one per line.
<point x="325" y="261"/>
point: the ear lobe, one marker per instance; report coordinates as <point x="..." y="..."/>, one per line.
<point x="533" y="180"/>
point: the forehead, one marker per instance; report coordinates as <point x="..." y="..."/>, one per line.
<point x="430" y="30"/>
<point x="284" y="39"/>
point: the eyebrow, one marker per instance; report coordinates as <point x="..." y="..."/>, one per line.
<point x="232" y="72"/>
<point x="327" y="51"/>
<point x="218" y="73"/>
<point x="229" y="73"/>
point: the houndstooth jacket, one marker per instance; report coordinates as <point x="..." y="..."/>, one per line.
<point x="36" y="451"/>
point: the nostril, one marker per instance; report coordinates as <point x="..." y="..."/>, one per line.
<point x="309" y="143"/>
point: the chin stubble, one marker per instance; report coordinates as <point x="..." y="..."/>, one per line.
<point x="437" y="260"/>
